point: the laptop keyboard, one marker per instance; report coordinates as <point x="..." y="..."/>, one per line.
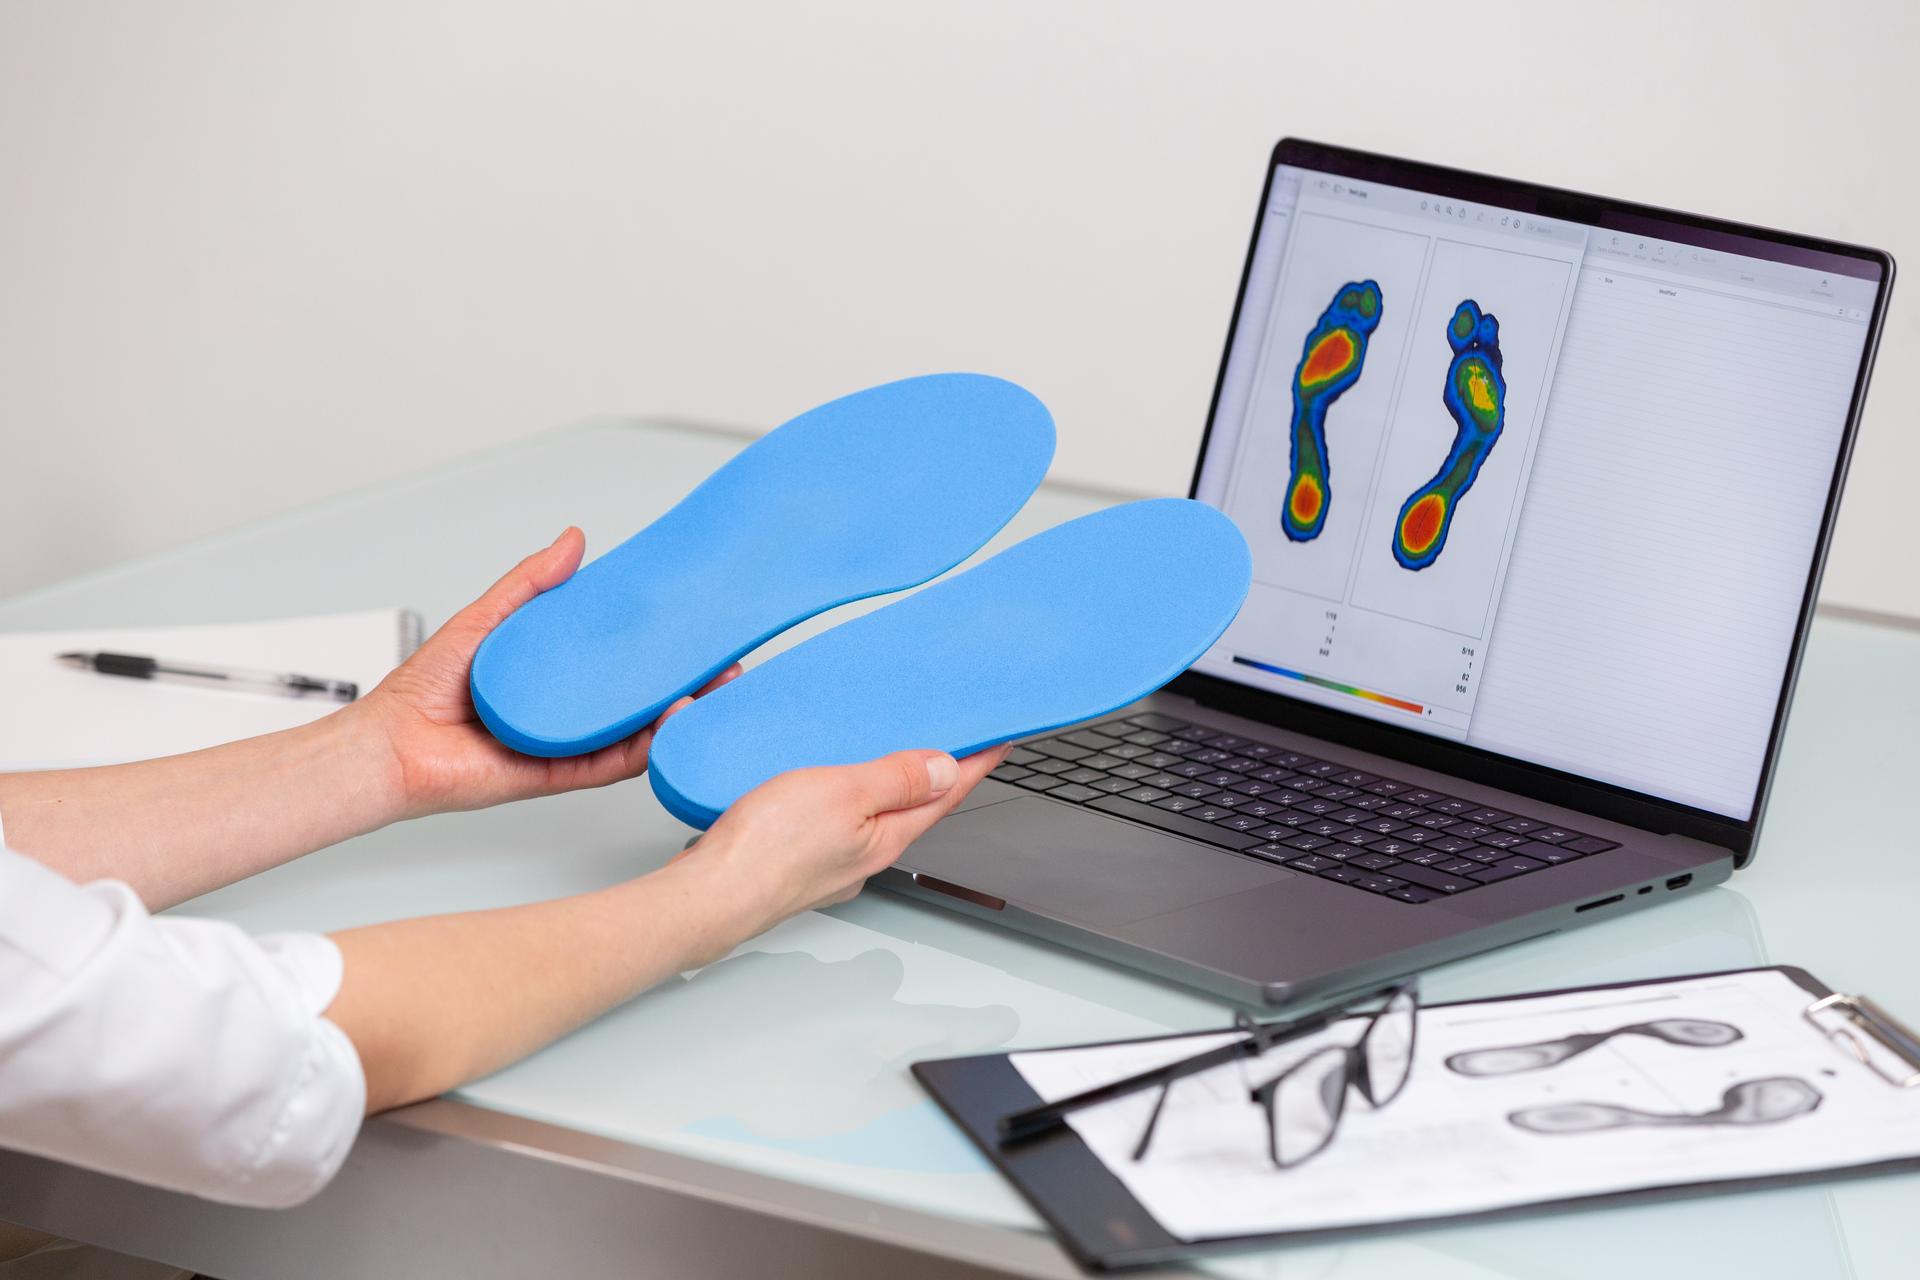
<point x="1362" y="829"/>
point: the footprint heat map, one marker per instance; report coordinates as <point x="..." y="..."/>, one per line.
<point x="1330" y="362"/>
<point x="1476" y="395"/>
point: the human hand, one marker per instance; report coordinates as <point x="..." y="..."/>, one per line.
<point x="443" y="757"/>
<point x="811" y="837"/>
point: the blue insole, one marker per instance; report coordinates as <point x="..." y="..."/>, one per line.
<point x="874" y="492"/>
<point x="1071" y="623"/>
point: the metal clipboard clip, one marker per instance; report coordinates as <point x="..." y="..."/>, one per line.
<point x="1847" y="1017"/>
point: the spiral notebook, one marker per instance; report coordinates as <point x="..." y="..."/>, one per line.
<point x="55" y="717"/>
<point x="1599" y="1095"/>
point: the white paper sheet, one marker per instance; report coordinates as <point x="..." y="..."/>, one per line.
<point x="1459" y="1143"/>
<point x="54" y="716"/>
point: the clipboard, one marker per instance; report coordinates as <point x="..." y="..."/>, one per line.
<point x="1105" y="1228"/>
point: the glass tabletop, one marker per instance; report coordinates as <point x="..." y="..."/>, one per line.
<point x="790" y="1056"/>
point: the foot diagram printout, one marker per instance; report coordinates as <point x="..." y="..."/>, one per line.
<point x="1387" y="440"/>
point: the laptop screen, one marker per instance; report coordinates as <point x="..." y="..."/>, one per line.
<point x="1551" y="488"/>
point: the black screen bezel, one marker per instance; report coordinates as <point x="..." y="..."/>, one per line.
<point x="1549" y="785"/>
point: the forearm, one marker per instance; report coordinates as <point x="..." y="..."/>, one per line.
<point x="183" y="825"/>
<point x="434" y="1002"/>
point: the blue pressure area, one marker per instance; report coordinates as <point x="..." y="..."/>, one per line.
<point x="874" y="492"/>
<point x="1070" y="623"/>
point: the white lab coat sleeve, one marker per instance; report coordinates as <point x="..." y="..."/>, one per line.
<point x="173" y="1051"/>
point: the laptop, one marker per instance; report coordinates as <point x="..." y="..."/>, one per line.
<point x="1538" y="488"/>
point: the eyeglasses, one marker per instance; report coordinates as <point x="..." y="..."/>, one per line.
<point x="1303" y="1104"/>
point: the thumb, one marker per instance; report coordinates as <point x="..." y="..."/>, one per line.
<point x="542" y="571"/>
<point x="903" y="780"/>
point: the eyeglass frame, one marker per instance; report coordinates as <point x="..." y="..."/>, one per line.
<point x="1355" y="1073"/>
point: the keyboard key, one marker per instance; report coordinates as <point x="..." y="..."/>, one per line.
<point x="1145" y="738"/>
<point x="1271" y="852"/>
<point x="1344" y="874"/>
<point x="1158" y="760"/>
<point x="1132" y="772"/>
<point x="1590" y="844"/>
<point x="1502" y="839"/>
<point x="1306" y="843"/>
<point x="1342" y="794"/>
<point x="1383" y="826"/>
<point x="1423" y="798"/>
<point x="1101" y="761"/>
<point x="1351" y="816"/>
<point x="1320" y="769"/>
<point x="1074" y="793"/>
<point x="1312" y="786"/>
<point x="1386" y="787"/>
<point x="1061" y="750"/>
<point x="1258" y="750"/>
<point x="1177" y="804"/>
<point x="1427" y="857"/>
<point x="1165" y="781"/>
<point x="1450" y="844"/>
<point x="1454" y="807"/>
<point x="1355" y="778"/>
<point x="1193" y="790"/>
<point x="1082" y="775"/>
<point x="1317" y="807"/>
<point x="1145" y="795"/>
<point x="1480" y="853"/>
<point x="1177" y="823"/>
<point x="1126" y="751"/>
<point x="1520" y="826"/>
<point x="1458" y="867"/>
<point x="1293" y="759"/>
<point x="1240" y="764"/>
<point x="1191" y="733"/>
<point x="1392" y="847"/>
<point x="1208" y="813"/>
<point x="1417" y="835"/>
<point x="1227" y="741"/>
<point x="1311" y="862"/>
<point x="1253" y="787"/>
<point x="1413" y="893"/>
<point x="1221" y="778"/>
<point x="1229" y="800"/>
<point x="1354" y="836"/>
<point x="1465" y="830"/>
<point x="1369" y="803"/>
<point x="1010" y="773"/>
<point x="1373" y="861"/>
<point x="1190" y="769"/>
<point x="1152" y="720"/>
<point x="1432" y="878"/>
<point x="1238" y="822"/>
<point x="1261" y="809"/>
<point x="1434" y="821"/>
<point x="1090" y="739"/>
<point x="1290" y="818"/>
<point x="1023" y="755"/>
<point x="1037" y="782"/>
<point x="1210" y="756"/>
<point x="1274" y="832"/>
<point x="1113" y="786"/>
<point x="1506" y="869"/>
<point x="1487" y="817"/>
<point x="1325" y="827"/>
<point x="1379" y="884"/>
<point x="1554" y="835"/>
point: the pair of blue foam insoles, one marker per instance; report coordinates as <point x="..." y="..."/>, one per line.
<point x="871" y="493"/>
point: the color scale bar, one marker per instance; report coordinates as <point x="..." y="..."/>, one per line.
<point x="1400" y="703"/>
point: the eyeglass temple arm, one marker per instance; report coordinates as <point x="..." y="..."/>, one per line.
<point x="1260" y="1037"/>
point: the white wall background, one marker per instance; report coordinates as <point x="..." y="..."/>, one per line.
<point x="252" y="255"/>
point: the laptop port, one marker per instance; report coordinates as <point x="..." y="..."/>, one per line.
<point x="1679" y="882"/>
<point x="1600" y="902"/>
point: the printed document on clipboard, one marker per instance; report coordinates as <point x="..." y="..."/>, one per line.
<point x="1641" y="1090"/>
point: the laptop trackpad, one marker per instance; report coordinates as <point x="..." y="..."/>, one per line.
<point x="1078" y="865"/>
